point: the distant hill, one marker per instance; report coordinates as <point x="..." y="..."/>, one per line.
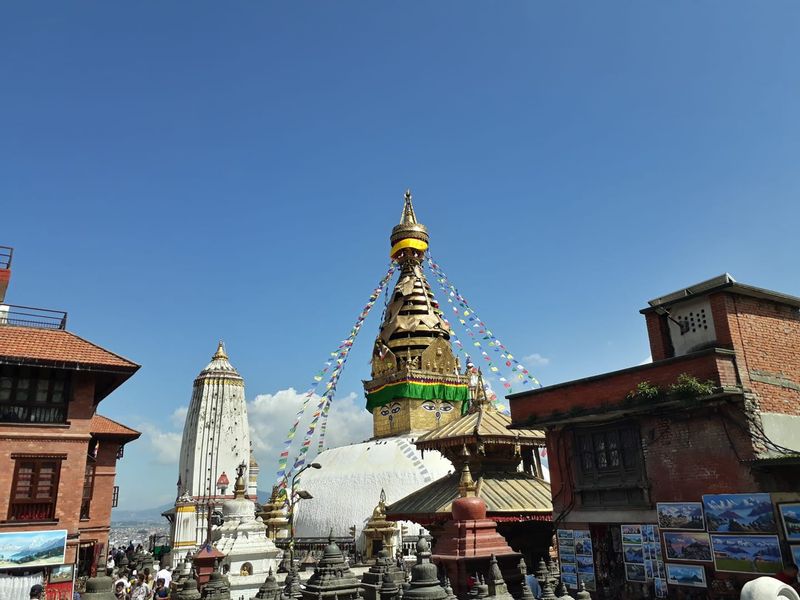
<point x="153" y="515"/>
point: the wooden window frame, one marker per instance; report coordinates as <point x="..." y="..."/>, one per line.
<point x="89" y="476"/>
<point x="610" y="468"/>
<point x="15" y="504"/>
<point x="28" y="409"/>
<point x="115" y="496"/>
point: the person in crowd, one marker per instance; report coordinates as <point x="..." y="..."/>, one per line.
<point x="165" y="573"/>
<point x="140" y="589"/>
<point x="533" y="584"/>
<point x="37" y="592"/>
<point x="161" y="590"/>
<point x="120" y="591"/>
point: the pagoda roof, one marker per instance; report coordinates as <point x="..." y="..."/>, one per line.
<point x="485" y="422"/>
<point x="514" y="496"/>
<point x="103" y="426"/>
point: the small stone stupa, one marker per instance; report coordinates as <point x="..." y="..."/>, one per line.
<point x="242" y="538"/>
<point x="332" y="578"/>
<point x="384" y="569"/>
<point x="188" y="589"/>
<point x="497" y="585"/>
<point x="217" y="588"/>
<point x="269" y="590"/>
<point x="424" y="581"/>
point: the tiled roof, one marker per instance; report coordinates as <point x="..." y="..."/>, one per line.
<point x="35" y="345"/>
<point x="486" y="422"/>
<point x="101" y="425"/>
<point x="506" y="494"/>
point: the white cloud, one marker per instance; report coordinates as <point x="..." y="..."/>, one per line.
<point x="178" y="417"/>
<point x="165" y="445"/>
<point x="271" y="415"/>
<point x="536" y="360"/>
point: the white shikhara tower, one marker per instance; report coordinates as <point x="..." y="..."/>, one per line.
<point x="216" y="440"/>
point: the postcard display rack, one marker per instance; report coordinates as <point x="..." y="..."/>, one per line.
<point x="576" y="558"/>
<point x="731" y="533"/>
<point x="642" y="555"/>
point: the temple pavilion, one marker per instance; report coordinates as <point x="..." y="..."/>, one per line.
<point x="507" y="471"/>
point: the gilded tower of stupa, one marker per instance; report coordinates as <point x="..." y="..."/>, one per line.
<point x="416" y="384"/>
<point x="415" y="387"/>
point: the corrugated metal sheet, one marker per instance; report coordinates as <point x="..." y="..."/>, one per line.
<point x="504" y="493"/>
<point x="485" y="422"/>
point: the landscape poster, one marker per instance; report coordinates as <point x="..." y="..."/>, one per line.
<point x="795" y="554"/>
<point x="687" y="545"/>
<point x="739" y="513"/>
<point x="635" y="573"/>
<point x="747" y="553"/>
<point x="691" y="575"/>
<point x="790" y="514"/>
<point x="680" y="515"/>
<point x="661" y="588"/>
<point x="633" y="554"/>
<point x="32" y="548"/>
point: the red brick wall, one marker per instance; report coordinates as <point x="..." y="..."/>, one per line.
<point x="71" y="440"/>
<point x="658" y="334"/>
<point x="684" y="457"/>
<point x="766" y="337"/>
<point x="612" y="388"/>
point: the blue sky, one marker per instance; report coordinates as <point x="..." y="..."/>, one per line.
<point x="176" y="173"/>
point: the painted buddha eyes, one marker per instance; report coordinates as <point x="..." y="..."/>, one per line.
<point x="431" y="406"/>
<point x="390" y="409"/>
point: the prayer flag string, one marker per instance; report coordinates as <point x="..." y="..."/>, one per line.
<point x="480" y="334"/>
<point x="335" y="364"/>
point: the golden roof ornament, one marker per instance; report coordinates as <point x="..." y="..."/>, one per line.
<point x="467" y="486"/>
<point x="220" y="353"/>
<point x="409" y="238"/>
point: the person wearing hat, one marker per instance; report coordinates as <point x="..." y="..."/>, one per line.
<point x="37" y="591"/>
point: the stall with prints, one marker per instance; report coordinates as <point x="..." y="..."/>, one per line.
<point x="576" y="558"/>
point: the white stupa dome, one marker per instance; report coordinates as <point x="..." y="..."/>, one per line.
<point x="348" y="486"/>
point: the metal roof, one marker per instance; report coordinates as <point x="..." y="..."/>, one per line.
<point x="718" y="283"/>
<point x="514" y="494"/>
<point x="485" y="422"/>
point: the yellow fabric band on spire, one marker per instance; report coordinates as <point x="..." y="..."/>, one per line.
<point x="408" y="243"/>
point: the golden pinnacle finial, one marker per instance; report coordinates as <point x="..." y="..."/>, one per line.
<point x="408" y="217"/>
<point x="409" y="233"/>
<point x="220" y="353"/>
<point x="466" y="486"/>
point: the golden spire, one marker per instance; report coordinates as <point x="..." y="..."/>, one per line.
<point x="220" y="353"/>
<point x="408" y="217"/>
<point x="239" y="487"/>
<point x="466" y="486"/>
<point x="409" y="238"/>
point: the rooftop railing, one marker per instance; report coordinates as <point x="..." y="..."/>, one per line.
<point x="6" y="254"/>
<point x="28" y="316"/>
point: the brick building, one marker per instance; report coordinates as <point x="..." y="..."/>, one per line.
<point x="716" y="412"/>
<point x="57" y="454"/>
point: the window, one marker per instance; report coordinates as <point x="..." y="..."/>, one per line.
<point x="33" y="395"/>
<point x="34" y="488"/>
<point x="88" y="488"/>
<point x="115" y="496"/>
<point x="610" y="466"/>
